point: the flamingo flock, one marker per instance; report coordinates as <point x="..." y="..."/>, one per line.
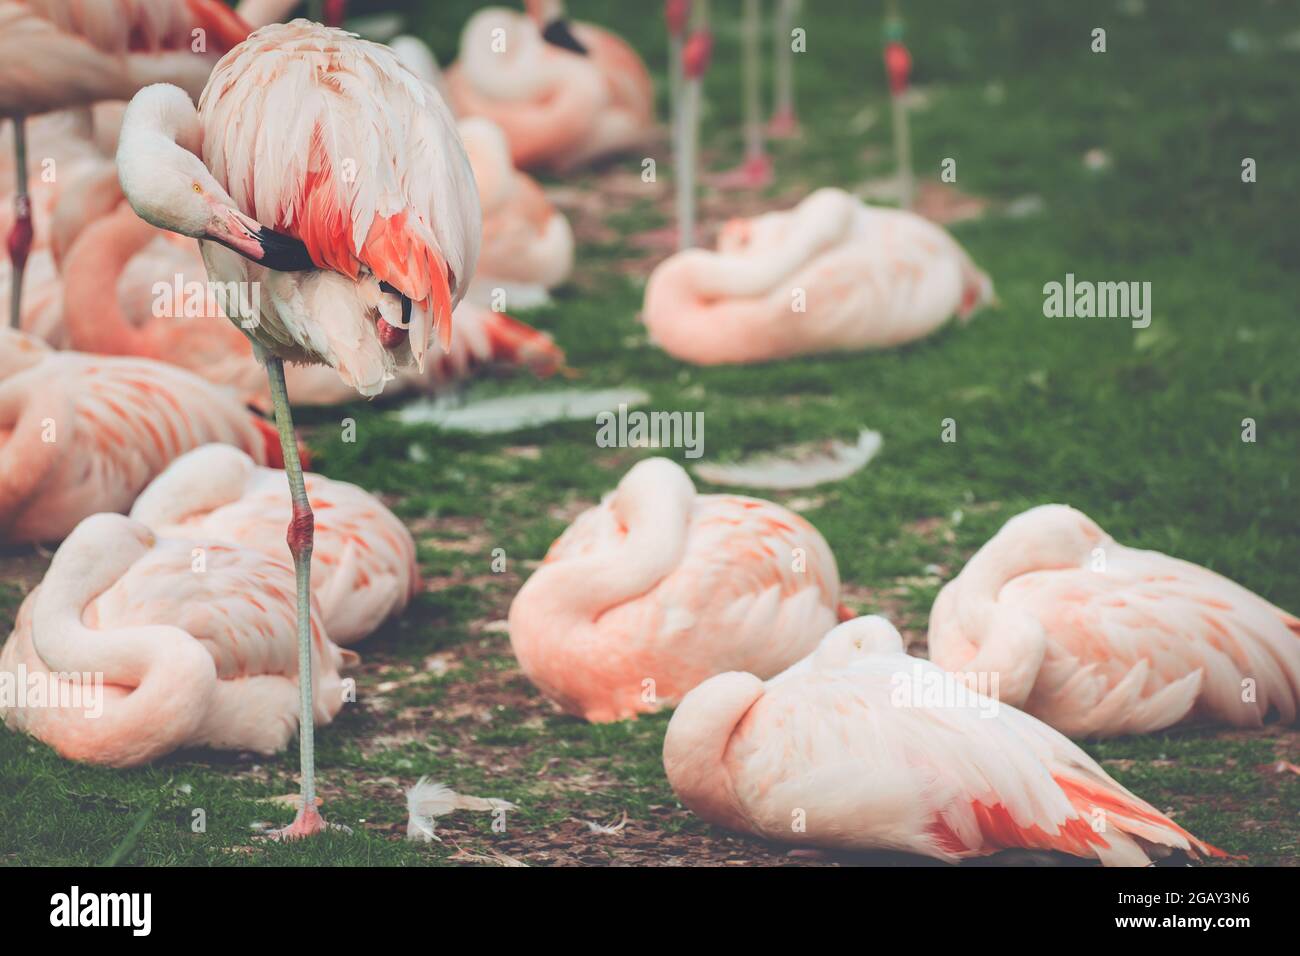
<point x="334" y="218"/>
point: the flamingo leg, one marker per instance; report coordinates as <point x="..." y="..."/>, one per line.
<point x="783" y="122"/>
<point x="20" y="235"/>
<point x="756" y="170"/>
<point x="688" y="130"/>
<point x="301" y="527"/>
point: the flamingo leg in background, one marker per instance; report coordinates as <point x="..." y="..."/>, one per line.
<point x="695" y="61"/>
<point x="784" y="123"/>
<point x="20" y="235"/>
<point x="301" y="528"/>
<point x="756" y="170"/>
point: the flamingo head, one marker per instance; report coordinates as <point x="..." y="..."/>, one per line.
<point x="169" y="186"/>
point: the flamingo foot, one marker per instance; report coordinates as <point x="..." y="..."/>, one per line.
<point x="307" y="823"/>
<point x="754" y="173"/>
<point x="783" y="125"/>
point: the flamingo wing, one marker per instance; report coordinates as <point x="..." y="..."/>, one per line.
<point x="338" y="145"/>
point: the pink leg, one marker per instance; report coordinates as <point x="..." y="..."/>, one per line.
<point x="19" y="240"/>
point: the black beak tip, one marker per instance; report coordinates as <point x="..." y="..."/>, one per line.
<point x="559" y="33"/>
<point x="284" y="253"/>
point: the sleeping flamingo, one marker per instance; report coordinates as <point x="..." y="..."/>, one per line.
<point x="527" y="243"/>
<point x="60" y="53"/>
<point x="363" y="558"/>
<point x="558" y="108"/>
<point x="659" y="588"/>
<point x="334" y="183"/>
<point x="832" y="274"/>
<point x="187" y="659"/>
<point x="851" y="749"/>
<point x="85" y="433"/>
<point x="1098" y="639"/>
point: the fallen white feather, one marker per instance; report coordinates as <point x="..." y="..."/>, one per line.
<point x="427" y="801"/>
<point x="515" y="412"/>
<point x="798" y="466"/>
<point x="606" y="830"/>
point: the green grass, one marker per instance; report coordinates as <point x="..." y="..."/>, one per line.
<point x="1139" y="429"/>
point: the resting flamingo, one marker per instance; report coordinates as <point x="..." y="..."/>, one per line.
<point x="1098" y="639"/>
<point x="558" y="107"/>
<point x="60" y="53"/>
<point x="832" y="274"/>
<point x="527" y="243"/>
<point x="658" y="588"/>
<point x="363" y="558"/>
<point x="852" y="749"/>
<point x="358" y="222"/>
<point x="85" y="433"/>
<point x="187" y="660"/>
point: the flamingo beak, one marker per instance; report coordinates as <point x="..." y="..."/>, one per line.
<point x="559" y="33"/>
<point x="253" y="241"/>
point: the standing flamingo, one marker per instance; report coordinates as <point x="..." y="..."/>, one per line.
<point x="784" y="123"/>
<point x="755" y="172"/>
<point x="363" y="558"/>
<point x="187" y="659"/>
<point x="696" y="51"/>
<point x="856" y="747"/>
<point x="371" y="235"/>
<point x="85" y="433"/>
<point x="832" y="274"/>
<point x="60" y="53"/>
<point x="1098" y="639"/>
<point x="659" y="588"/>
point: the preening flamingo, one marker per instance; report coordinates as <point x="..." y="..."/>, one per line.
<point x="187" y="659"/>
<point x="857" y="748"/>
<point x="755" y="171"/>
<point x="558" y="108"/>
<point x="363" y="558"/>
<point x="832" y="274"/>
<point x="1098" y="639"/>
<point x="527" y="243"/>
<point x="659" y="588"/>
<point x="333" y="182"/>
<point x="82" y="433"/>
<point x="60" y="53"/>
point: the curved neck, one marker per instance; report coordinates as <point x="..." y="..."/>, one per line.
<point x="818" y="222"/>
<point x="91" y="306"/>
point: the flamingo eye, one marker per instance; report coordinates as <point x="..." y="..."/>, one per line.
<point x="198" y="188"/>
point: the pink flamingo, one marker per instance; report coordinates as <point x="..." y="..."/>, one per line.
<point x="784" y="123"/>
<point x="371" y="227"/>
<point x="756" y="170"/>
<point x="527" y="243"/>
<point x="558" y="107"/>
<point x="659" y="588"/>
<point x="852" y="749"/>
<point x="1098" y="639"/>
<point x="832" y="274"/>
<point x="187" y="660"/>
<point x="61" y="53"/>
<point x="363" y="558"/>
<point x="85" y="433"/>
